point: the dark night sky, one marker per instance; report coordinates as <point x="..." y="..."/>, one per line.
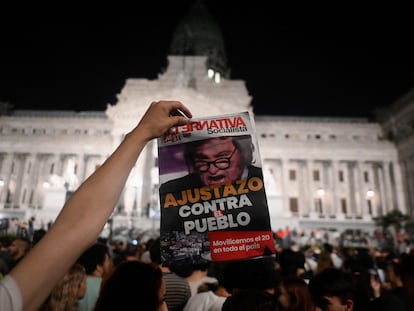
<point x="331" y="61"/>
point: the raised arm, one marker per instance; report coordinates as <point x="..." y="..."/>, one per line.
<point x="84" y="215"/>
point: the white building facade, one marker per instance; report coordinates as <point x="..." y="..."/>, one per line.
<point x="319" y="172"/>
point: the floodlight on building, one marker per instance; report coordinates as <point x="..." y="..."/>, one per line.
<point x="217" y="77"/>
<point x="320" y="192"/>
<point x="370" y="193"/>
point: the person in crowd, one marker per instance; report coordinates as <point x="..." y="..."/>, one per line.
<point x="133" y="283"/>
<point x="258" y="273"/>
<point x="382" y="299"/>
<point x="294" y="295"/>
<point x="337" y="261"/>
<point x="324" y="261"/>
<point x="83" y="216"/>
<point x="67" y="291"/>
<point x="210" y="296"/>
<point x="251" y="299"/>
<point x="407" y="276"/>
<point x="37" y="235"/>
<point x="98" y="263"/>
<point x="334" y="290"/>
<point x="178" y="290"/>
<point x="195" y="273"/>
<point x="19" y="248"/>
<point x="393" y="276"/>
<point x="292" y="261"/>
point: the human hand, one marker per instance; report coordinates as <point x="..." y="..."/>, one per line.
<point x="161" y="116"/>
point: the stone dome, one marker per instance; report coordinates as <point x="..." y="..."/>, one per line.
<point x="198" y="34"/>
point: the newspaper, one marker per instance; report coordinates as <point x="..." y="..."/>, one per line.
<point x="212" y="196"/>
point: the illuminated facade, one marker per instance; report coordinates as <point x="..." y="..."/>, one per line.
<point x="319" y="172"/>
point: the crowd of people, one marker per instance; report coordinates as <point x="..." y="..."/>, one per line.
<point x="114" y="275"/>
<point x="70" y="268"/>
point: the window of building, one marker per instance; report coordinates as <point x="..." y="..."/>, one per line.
<point x="9" y="197"/>
<point x="52" y="168"/>
<point x="343" y="206"/>
<point x="341" y="176"/>
<point x="292" y="175"/>
<point x="369" y="204"/>
<point x="24" y="196"/>
<point x="318" y="206"/>
<point x="316" y="175"/>
<point x="293" y="205"/>
<point x="366" y="176"/>
<point x="31" y="197"/>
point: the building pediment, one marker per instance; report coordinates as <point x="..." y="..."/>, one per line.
<point x="185" y="80"/>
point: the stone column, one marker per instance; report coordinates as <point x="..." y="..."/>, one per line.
<point x="21" y="161"/>
<point x="285" y="178"/>
<point x="351" y="188"/>
<point x="382" y="204"/>
<point x="313" y="213"/>
<point x="80" y="171"/>
<point x="327" y="185"/>
<point x="27" y="180"/>
<point x="6" y="171"/>
<point x="409" y="183"/>
<point x="336" y="210"/>
<point x="399" y="188"/>
<point x="361" y="204"/>
<point x="388" y="188"/>
<point x="57" y="159"/>
<point x="303" y="190"/>
<point x="39" y="178"/>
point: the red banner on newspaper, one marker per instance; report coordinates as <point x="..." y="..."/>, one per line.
<point x="212" y="196"/>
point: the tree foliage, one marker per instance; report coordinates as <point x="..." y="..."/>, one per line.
<point x="5" y="108"/>
<point x="393" y="218"/>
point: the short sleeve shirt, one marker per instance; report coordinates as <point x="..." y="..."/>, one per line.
<point x="10" y="295"/>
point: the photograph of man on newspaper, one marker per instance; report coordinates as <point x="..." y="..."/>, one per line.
<point x="220" y="200"/>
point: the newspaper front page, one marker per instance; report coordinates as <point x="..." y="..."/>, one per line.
<point x="212" y="196"/>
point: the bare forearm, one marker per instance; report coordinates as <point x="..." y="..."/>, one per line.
<point x="84" y="215"/>
<point x="79" y="223"/>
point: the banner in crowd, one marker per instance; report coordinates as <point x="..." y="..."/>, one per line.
<point x="212" y="196"/>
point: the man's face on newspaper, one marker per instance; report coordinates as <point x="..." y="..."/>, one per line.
<point x="218" y="161"/>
